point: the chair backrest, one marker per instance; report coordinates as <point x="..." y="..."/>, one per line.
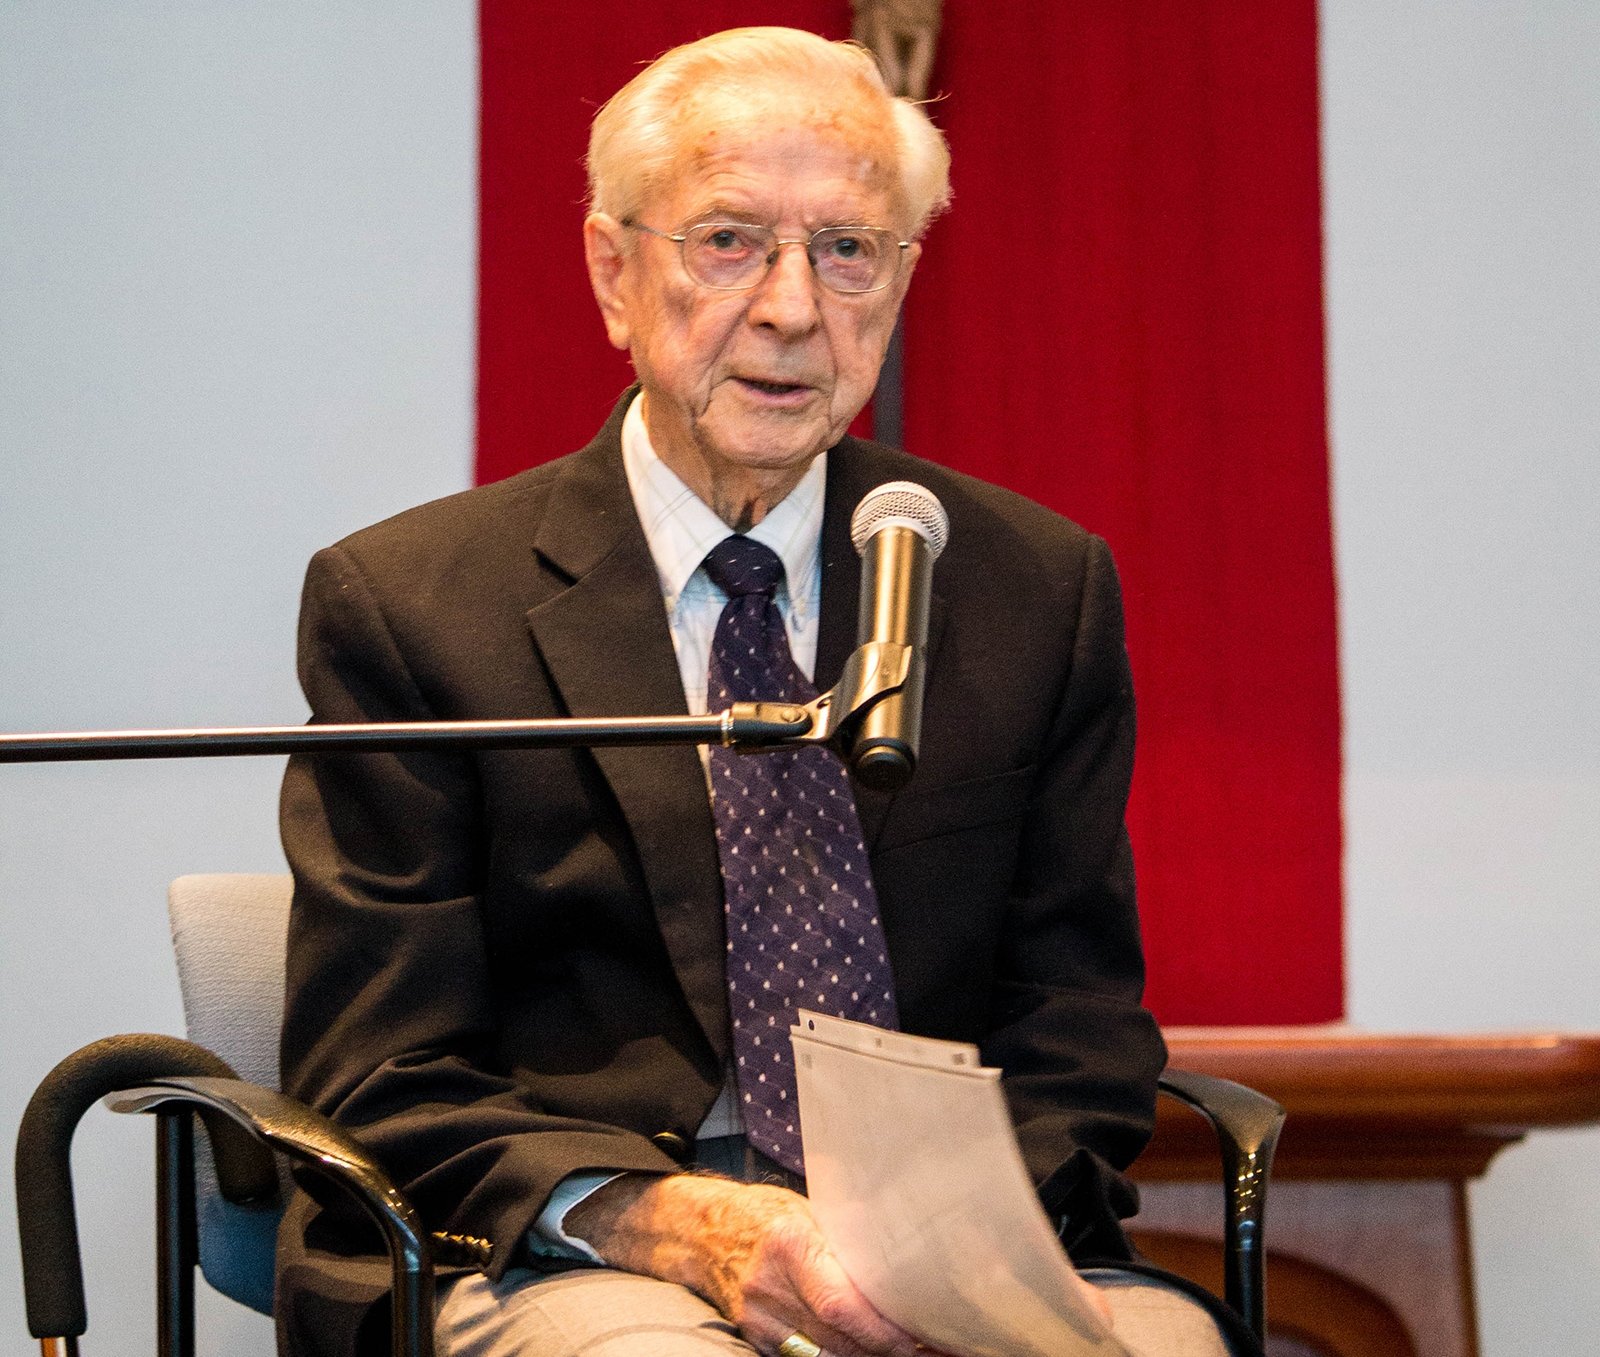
<point x="230" y="933"/>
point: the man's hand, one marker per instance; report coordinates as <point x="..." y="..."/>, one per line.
<point x="753" y="1251"/>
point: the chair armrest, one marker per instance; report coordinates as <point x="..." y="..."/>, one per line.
<point x="309" y="1138"/>
<point x="1247" y="1124"/>
<point x="166" y="1075"/>
<point x="52" y="1268"/>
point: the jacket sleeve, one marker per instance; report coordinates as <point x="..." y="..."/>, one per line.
<point x="1080" y="1053"/>
<point x="389" y="1026"/>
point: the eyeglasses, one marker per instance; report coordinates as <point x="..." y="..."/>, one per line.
<point x="731" y="256"/>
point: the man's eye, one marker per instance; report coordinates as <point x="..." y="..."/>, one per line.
<point x="726" y="240"/>
<point x="851" y="247"/>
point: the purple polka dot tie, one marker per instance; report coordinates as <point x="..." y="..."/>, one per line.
<point x="802" y="916"/>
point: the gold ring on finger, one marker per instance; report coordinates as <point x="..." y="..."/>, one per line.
<point x="798" y="1345"/>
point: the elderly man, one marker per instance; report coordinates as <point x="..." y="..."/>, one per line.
<point x="510" y="972"/>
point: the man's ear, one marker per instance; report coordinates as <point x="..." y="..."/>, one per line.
<point x="605" y="251"/>
<point x="910" y="266"/>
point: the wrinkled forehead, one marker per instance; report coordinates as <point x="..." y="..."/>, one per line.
<point x="754" y="125"/>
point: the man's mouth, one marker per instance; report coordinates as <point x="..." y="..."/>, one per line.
<point x="773" y="388"/>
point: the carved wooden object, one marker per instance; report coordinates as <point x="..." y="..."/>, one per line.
<point x="1367" y="1244"/>
<point x="903" y="35"/>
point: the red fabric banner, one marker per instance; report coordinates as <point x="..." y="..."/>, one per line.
<point x="1121" y="318"/>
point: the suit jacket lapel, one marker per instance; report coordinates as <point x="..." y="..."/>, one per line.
<point x="605" y="641"/>
<point x="603" y="636"/>
<point x="853" y="469"/>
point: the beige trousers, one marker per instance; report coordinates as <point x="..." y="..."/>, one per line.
<point x="593" y="1312"/>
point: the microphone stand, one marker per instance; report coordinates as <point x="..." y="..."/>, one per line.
<point x="872" y="673"/>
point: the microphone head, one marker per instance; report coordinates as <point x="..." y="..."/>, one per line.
<point x="904" y="504"/>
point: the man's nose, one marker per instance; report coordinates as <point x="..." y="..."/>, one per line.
<point x="786" y="298"/>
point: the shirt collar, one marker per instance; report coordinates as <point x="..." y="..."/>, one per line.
<point x="681" y="528"/>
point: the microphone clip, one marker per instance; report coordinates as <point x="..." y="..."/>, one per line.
<point x="873" y="671"/>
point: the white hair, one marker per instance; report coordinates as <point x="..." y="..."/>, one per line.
<point x="634" y="144"/>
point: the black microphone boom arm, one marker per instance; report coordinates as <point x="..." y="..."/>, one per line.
<point x="871" y="673"/>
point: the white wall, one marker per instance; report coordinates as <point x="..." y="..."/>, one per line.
<point x="236" y="321"/>
<point x="1462" y="182"/>
<point x="236" y="292"/>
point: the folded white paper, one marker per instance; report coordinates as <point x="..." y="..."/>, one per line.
<point x="916" y="1178"/>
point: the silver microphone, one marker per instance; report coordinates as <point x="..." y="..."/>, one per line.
<point x="899" y="529"/>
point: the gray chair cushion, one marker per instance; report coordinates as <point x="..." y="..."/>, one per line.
<point x="229" y="933"/>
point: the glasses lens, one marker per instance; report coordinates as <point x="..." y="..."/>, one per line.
<point x="726" y="254"/>
<point x="855" y="258"/>
<point x="734" y="255"/>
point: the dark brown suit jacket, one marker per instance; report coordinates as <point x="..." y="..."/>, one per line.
<point x="505" y="967"/>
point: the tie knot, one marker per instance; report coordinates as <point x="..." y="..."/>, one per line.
<point x="740" y="566"/>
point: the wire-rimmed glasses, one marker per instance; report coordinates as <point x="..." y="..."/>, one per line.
<point x="732" y="256"/>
